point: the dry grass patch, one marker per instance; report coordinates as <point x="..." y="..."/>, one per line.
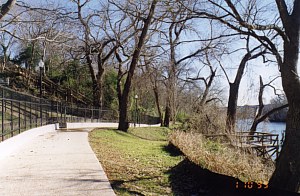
<point x="220" y="158"/>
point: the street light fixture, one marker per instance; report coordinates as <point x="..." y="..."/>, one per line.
<point x="41" y="66"/>
<point x="136" y="110"/>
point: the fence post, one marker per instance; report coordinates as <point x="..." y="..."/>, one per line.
<point x="61" y="113"/>
<point x="92" y="114"/>
<point x="36" y="114"/>
<point x="51" y="114"/>
<point x="57" y="115"/>
<point x="30" y="116"/>
<point x="99" y="115"/>
<point x="65" y="115"/>
<point x="25" y="111"/>
<point x="3" y="115"/>
<point x="11" y="119"/>
<point x="78" y="114"/>
<point x="71" y="113"/>
<point x="19" y="111"/>
<point x="41" y="112"/>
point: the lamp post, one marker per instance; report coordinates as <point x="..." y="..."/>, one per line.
<point x="41" y="66"/>
<point x="136" y="110"/>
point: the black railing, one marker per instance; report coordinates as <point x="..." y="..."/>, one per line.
<point x="19" y="112"/>
<point x="138" y="117"/>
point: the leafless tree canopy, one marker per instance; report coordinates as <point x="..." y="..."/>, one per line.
<point x="182" y="58"/>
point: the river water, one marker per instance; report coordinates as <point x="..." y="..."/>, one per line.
<point x="268" y="127"/>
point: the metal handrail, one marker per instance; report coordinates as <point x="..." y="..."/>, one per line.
<point x="17" y="116"/>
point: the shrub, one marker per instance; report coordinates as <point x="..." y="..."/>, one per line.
<point x="221" y="158"/>
<point x="181" y="117"/>
<point x="210" y="120"/>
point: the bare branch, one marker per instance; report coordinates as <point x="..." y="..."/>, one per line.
<point x="6" y="7"/>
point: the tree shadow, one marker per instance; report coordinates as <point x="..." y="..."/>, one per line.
<point x="117" y="185"/>
<point x="172" y="150"/>
<point x="189" y="179"/>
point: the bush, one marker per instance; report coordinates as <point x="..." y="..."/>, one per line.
<point x="210" y="120"/>
<point x="221" y="158"/>
<point x="181" y="117"/>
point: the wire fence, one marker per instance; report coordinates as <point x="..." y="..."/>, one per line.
<point x="19" y="112"/>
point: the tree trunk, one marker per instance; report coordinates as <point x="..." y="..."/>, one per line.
<point x="234" y="92"/>
<point x="261" y="106"/>
<point x="207" y="87"/>
<point x="6" y="7"/>
<point x="234" y="87"/>
<point x="123" y="124"/>
<point x="232" y="107"/>
<point x="287" y="173"/>
<point x="167" y="116"/>
<point x="155" y="90"/>
<point x="260" y="118"/>
<point x="100" y="81"/>
<point x="94" y="80"/>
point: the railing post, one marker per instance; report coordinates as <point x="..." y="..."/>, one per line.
<point x="41" y="112"/>
<point x="78" y="114"/>
<point x="3" y="115"/>
<point x="61" y="112"/>
<point x="36" y="114"/>
<point x="71" y="113"/>
<point x="51" y="114"/>
<point x="25" y="111"/>
<point x="84" y="114"/>
<point x="19" y="117"/>
<point x="30" y="115"/>
<point x="99" y="117"/>
<point x="92" y="114"/>
<point x="57" y="114"/>
<point x="65" y="116"/>
<point x="11" y="119"/>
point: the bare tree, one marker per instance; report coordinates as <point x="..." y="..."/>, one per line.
<point x="208" y="81"/>
<point x="97" y="51"/>
<point x="264" y="29"/>
<point x="235" y="85"/>
<point x="178" y="23"/>
<point x="260" y="117"/>
<point x="154" y="75"/>
<point x="123" y="125"/>
<point x="5" y="8"/>
<point x="6" y="43"/>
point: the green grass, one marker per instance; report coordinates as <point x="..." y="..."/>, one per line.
<point x="151" y="133"/>
<point x="177" y="125"/>
<point x="135" y="166"/>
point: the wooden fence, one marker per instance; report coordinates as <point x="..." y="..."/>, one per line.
<point x="265" y="144"/>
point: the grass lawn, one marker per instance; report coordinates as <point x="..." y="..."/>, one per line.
<point x="135" y="165"/>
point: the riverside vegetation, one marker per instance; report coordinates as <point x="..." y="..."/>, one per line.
<point x="145" y="161"/>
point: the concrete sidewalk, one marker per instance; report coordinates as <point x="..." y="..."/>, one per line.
<point x="44" y="161"/>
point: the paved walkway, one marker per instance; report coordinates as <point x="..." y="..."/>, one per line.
<point x="49" y="162"/>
